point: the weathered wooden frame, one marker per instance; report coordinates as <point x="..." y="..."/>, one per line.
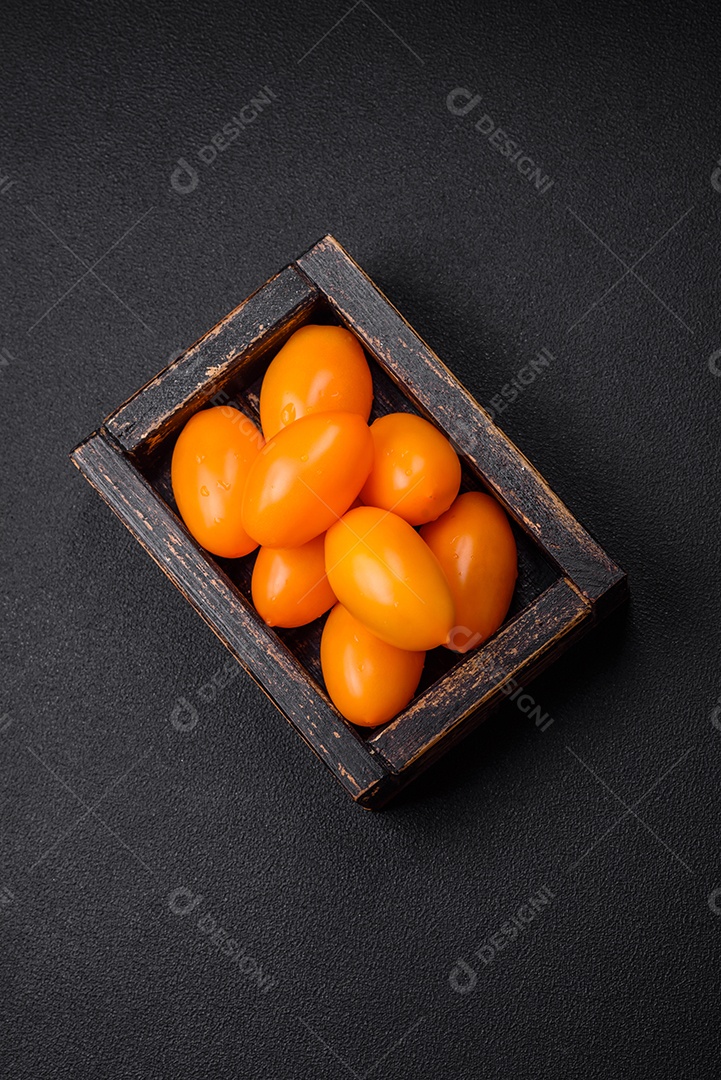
<point x="588" y="587"/>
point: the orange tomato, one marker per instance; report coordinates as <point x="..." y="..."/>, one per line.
<point x="211" y="461"/>
<point x="380" y="569"/>
<point x="289" y="585"/>
<point x="367" y="680"/>
<point x="306" y="477"/>
<point x="475" y="546"/>
<point x="319" y="369"/>
<point x="416" y="472"/>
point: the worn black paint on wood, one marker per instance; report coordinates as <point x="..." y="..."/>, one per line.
<point x="520" y="650"/>
<point x="230" y="616"/>
<point x="128" y="463"/>
<point x="437" y="393"/>
<point x="240" y="339"/>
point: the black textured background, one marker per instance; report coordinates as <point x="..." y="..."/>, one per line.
<point x="107" y="809"/>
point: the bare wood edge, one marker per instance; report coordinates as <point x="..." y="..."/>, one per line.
<point x="124" y="426"/>
<point x="378" y="778"/>
<point x="610" y="575"/>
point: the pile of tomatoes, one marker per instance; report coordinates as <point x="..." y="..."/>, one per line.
<point x="364" y="520"/>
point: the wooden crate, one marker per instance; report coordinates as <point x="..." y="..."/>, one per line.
<point x="566" y="582"/>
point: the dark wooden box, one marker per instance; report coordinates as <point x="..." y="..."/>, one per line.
<point x="566" y="582"/>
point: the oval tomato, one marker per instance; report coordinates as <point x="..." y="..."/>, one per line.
<point x="289" y="585"/>
<point x="368" y="681"/>
<point x="416" y="472"/>
<point x="306" y="477"/>
<point x="210" y="464"/>
<point x="319" y="369"/>
<point x="474" y="543"/>
<point x="380" y="569"/>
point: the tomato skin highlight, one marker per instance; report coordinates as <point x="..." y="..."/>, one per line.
<point x="381" y="570"/>
<point x="319" y="369"/>
<point x="474" y="543"/>
<point x="368" y="681"/>
<point x="211" y="461"/>
<point x="416" y="472"/>
<point x="306" y="477"/>
<point x="289" y="585"/>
